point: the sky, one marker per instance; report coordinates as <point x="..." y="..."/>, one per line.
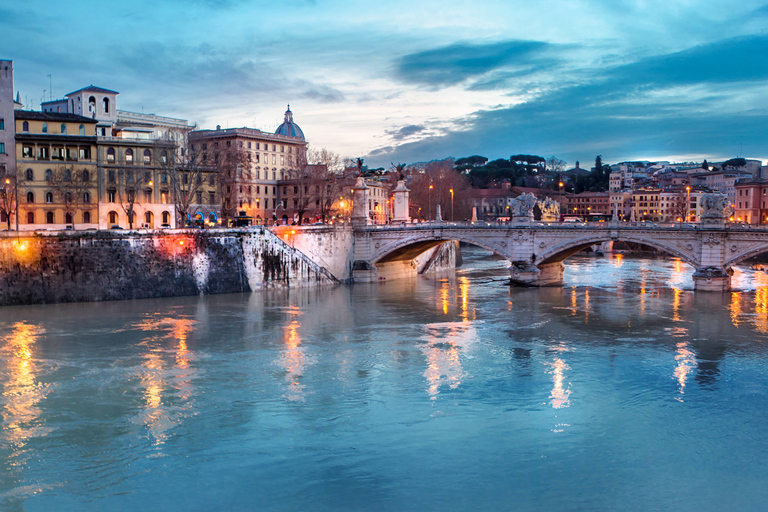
<point x="410" y="81"/>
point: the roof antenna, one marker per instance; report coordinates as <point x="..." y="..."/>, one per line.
<point x="50" y="87"/>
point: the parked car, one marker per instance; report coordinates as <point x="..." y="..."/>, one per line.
<point x="115" y="226"/>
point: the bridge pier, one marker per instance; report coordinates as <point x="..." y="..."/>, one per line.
<point x="526" y="274"/>
<point x="712" y="280"/>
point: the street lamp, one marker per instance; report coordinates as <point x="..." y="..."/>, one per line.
<point x="451" y="191"/>
<point x="688" y="204"/>
<point x="429" y="212"/>
<point x="15" y="201"/>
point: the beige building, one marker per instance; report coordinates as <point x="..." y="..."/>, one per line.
<point x="57" y="170"/>
<point x="251" y="164"/>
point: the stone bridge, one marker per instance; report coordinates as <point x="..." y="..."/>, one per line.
<point x="537" y="250"/>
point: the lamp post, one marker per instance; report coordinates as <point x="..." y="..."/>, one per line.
<point x="688" y="204"/>
<point x="451" y="191"/>
<point x="15" y="201"/>
<point x="429" y="211"/>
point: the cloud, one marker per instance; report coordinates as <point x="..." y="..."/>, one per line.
<point x="685" y="102"/>
<point x="405" y="131"/>
<point x="456" y="62"/>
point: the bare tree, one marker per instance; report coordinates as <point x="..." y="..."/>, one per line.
<point x="680" y="206"/>
<point x="8" y="195"/>
<point x="432" y="186"/>
<point x="555" y="165"/>
<point x="71" y="188"/>
<point x="184" y="171"/>
<point x="129" y="191"/>
<point x="229" y="164"/>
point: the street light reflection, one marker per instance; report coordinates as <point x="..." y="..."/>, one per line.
<point x="686" y="363"/>
<point x="559" y="396"/>
<point x="293" y="359"/>
<point x="445" y="343"/>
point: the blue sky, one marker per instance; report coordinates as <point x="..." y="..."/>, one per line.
<point x="406" y="81"/>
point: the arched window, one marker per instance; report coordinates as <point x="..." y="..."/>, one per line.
<point x="166" y="218"/>
<point x="82" y="129"/>
<point x="67" y="174"/>
<point x="92" y="104"/>
<point x="129" y="155"/>
<point x="86" y="197"/>
<point x="147" y="156"/>
<point x="113" y="218"/>
<point x="86" y="175"/>
<point x="68" y="218"/>
<point x="110" y="154"/>
<point x="164" y="196"/>
<point x="49" y="218"/>
<point x="63" y="129"/>
<point x="163" y="157"/>
<point x="30" y="197"/>
<point x="45" y="127"/>
<point x="106" y="105"/>
<point x="68" y="197"/>
<point x="25" y="126"/>
<point x="48" y="175"/>
<point x="30" y="217"/>
<point x="148" y="217"/>
<point x="30" y="175"/>
<point x="49" y="197"/>
<point x="86" y="217"/>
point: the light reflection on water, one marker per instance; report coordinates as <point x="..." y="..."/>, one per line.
<point x="624" y="387"/>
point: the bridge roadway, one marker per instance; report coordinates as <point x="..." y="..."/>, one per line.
<point x="536" y="250"/>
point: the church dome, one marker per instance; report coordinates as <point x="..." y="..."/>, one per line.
<point x="288" y="127"/>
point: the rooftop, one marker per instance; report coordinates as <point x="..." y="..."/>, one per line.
<point x="31" y="115"/>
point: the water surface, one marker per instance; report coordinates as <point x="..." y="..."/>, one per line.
<point x="622" y="390"/>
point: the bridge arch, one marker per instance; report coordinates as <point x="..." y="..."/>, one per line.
<point x="410" y="248"/>
<point x="739" y="256"/>
<point x="563" y="250"/>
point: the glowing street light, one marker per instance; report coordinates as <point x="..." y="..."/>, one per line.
<point x="688" y="204"/>
<point x="451" y="191"/>
<point x="429" y="212"/>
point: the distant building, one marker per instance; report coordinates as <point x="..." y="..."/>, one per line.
<point x="7" y="107"/>
<point x="751" y="203"/>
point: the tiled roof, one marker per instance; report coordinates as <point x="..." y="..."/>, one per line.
<point x="30" y="115"/>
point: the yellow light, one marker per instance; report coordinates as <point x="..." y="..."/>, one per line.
<point x="293" y="232"/>
<point x="341" y="204"/>
<point x="181" y="242"/>
<point x="7" y="180"/>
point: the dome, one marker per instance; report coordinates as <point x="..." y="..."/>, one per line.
<point x="288" y="127"/>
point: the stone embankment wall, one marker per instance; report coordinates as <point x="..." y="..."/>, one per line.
<point x="82" y="266"/>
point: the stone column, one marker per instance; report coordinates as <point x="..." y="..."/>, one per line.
<point x="360" y="194"/>
<point x="401" y="203"/>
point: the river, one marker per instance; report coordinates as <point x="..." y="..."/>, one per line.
<point x="621" y="390"/>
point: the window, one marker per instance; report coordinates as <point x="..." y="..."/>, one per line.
<point x="106" y="105"/>
<point x="229" y="143"/>
<point x="211" y="180"/>
<point x="30" y="217"/>
<point x="249" y="142"/>
<point x="256" y="156"/>
<point x="86" y="175"/>
<point x="81" y="129"/>
<point x="166" y="218"/>
<point x="45" y="153"/>
<point x="68" y="218"/>
<point x="110" y="154"/>
<point x="211" y="197"/>
<point x="25" y="126"/>
<point x="274" y="159"/>
<point x="164" y="197"/>
<point x="111" y="193"/>
<point x="163" y="178"/>
<point x="48" y="175"/>
<point x="163" y="157"/>
<point x="113" y="217"/>
<point x="111" y="176"/>
<point x="49" y="218"/>
<point x="2" y="147"/>
<point x="26" y="151"/>
<point x="147" y="156"/>
<point x="199" y="197"/>
<point x="45" y="127"/>
<point x="86" y="197"/>
<point x="282" y="160"/>
<point x="30" y="197"/>
<point x="86" y="217"/>
<point x="2" y="127"/>
<point x="67" y="174"/>
<point x="129" y="155"/>
<point x="85" y="153"/>
<point x="63" y="129"/>
<point x="148" y="195"/>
